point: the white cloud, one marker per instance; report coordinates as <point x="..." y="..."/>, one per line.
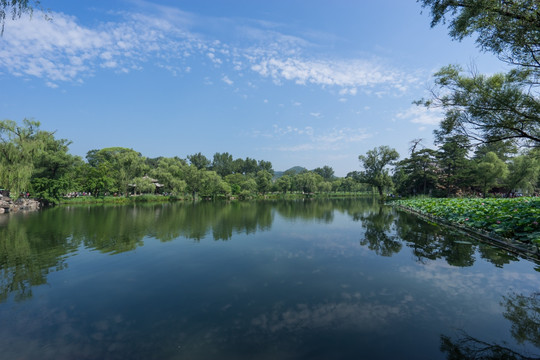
<point x="65" y="50"/>
<point x="330" y="140"/>
<point x="347" y="74"/>
<point x="315" y="114"/>
<point x="421" y="115"/>
<point x="226" y="80"/>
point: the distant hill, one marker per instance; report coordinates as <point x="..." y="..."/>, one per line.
<point x="296" y="169"/>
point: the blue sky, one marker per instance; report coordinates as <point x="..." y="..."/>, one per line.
<point x="307" y="83"/>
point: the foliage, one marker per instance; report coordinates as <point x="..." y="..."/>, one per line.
<point x="19" y="145"/>
<point x="509" y="29"/>
<point x="199" y="161"/>
<point x="417" y="174"/>
<point x="455" y="167"/>
<point x="523" y="172"/>
<point x="487" y="108"/>
<point x="125" y="165"/>
<point x="501" y="106"/>
<point x="524" y="313"/>
<point x="516" y="218"/>
<point x="16" y="8"/>
<point x="326" y="172"/>
<point x="490" y="171"/>
<point x="374" y="163"/>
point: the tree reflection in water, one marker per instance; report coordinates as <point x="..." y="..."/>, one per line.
<point x="524" y="313"/>
<point x="379" y="235"/>
<point x="33" y="245"/>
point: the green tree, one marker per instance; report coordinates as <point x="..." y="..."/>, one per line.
<point x="501" y="106"/>
<point x="264" y="181"/>
<point x="283" y="184"/>
<point x="490" y="171"/>
<point x="455" y="167"/>
<point x="266" y="166"/>
<point x="55" y="169"/>
<point x="213" y="185"/>
<point x="223" y="164"/>
<point x="19" y="146"/>
<point x="504" y="150"/>
<point x="417" y="174"/>
<point x="487" y="108"/>
<point x="96" y="179"/>
<point x="143" y="185"/>
<point x="194" y="179"/>
<point x="523" y="173"/>
<point x="308" y="182"/>
<point x="127" y="164"/>
<point x="375" y="164"/>
<point x="170" y="172"/>
<point x="250" y="166"/>
<point x="326" y="172"/>
<point x="199" y="161"/>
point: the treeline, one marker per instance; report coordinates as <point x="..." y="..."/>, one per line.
<point x="499" y="168"/>
<point x="34" y="161"/>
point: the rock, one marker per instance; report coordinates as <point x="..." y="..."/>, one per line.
<point x="8" y="205"/>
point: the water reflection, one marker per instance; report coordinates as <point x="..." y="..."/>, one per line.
<point x="524" y="314"/>
<point x="33" y="245"/>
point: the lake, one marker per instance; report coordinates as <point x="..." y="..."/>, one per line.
<point x="314" y="279"/>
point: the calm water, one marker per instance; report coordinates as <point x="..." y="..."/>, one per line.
<point x="342" y="279"/>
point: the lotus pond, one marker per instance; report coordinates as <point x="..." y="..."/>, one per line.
<point x="517" y="218"/>
<point x="334" y="279"/>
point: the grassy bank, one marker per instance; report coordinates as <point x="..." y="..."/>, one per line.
<point x="161" y="198"/>
<point x="117" y="199"/>
<point x="516" y="218"/>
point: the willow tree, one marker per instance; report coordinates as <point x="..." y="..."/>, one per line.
<point x="19" y="145"/>
<point x="16" y="8"/>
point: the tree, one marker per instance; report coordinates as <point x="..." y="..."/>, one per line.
<point x="487" y="108"/>
<point x="126" y="164"/>
<point x="417" y="174"/>
<point x="490" y="171"/>
<point x="16" y="8"/>
<point x="283" y="184"/>
<point x="199" y="161"/>
<point x="143" y="185"/>
<point x="223" y="164"/>
<point x="510" y="29"/>
<point x="96" y="179"/>
<point x="19" y="145"/>
<point x="326" y="172"/>
<point x="170" y="172"/>
<point x="55" y="169"/>
<point x="374" y="163"/>
<point x="264" y="181"/>
<point x="523" y="173"/>
<point x="266" y="166"/>
<point x="212" y="185"/>
<point x="502" y="106"/>
<point x="193" y="178"/>
<point x="454" y="165"/>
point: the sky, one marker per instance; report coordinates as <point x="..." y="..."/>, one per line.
<point x="295" y="82"/>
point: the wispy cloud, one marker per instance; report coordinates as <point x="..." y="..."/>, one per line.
<point x="226" y="80"/>
<point x="308" y="139"/>
<point x="421" y="115"/>
<point x="65" y="50"/>
<point x="346" y="74"/>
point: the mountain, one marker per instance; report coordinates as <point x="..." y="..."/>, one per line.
<point x="294" y="169"/>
